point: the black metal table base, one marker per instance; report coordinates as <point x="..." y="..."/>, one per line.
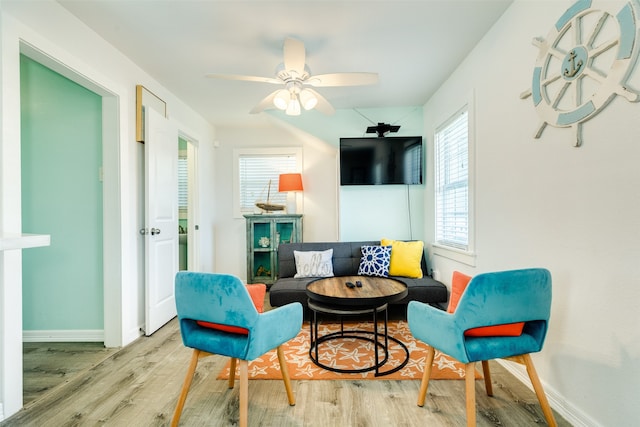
<point x="380" y="341"/>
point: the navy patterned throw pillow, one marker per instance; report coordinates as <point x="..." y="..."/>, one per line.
<point x="375" y="261"/>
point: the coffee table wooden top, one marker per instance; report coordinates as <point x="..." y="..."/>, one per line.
<point x="375" y="291"/>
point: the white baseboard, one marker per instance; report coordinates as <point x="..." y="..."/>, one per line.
<point x="64" y="335"/>
<point x="569" y="412"/>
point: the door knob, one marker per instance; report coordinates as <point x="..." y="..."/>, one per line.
<point x="155" y="231"/>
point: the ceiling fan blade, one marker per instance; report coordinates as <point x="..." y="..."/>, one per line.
<point x="343" y="79"/>
<point x="323" y="105"/>
<point x="265" y="104"/>
<point x="245" y="78"/>
<point x="294" y="55"/>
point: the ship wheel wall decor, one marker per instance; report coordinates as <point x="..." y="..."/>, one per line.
<point x="584" y="63"/>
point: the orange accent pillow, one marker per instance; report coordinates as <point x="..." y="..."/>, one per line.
<point x="257" y="292"/>
<point x="507" y="330"/>
<point x="459" y="283"/>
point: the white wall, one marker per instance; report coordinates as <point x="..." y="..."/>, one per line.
<point x="371" y="212"/>
<point x="543" y="202"/>
<point x="51" y="30"/>
<point x="331" y="212"/>
<point x="374" y="212"/>
<point x="319" y="198"/>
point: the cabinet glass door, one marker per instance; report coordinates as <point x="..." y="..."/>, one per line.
<point x="264" y="234"/>
<point x="285" y="232"/>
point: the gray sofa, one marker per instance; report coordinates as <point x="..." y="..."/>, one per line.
<point x="346" y="260"/>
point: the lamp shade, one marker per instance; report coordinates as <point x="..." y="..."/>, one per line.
<point x="281" y="100"/>
<point x="307" y="99"/>
<point x="290" y="182"/>
<point x="293" y="109"/>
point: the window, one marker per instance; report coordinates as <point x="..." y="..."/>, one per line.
<point x="183" y="182"/>
<point x="452" y="182"/>
<point x="257" y="172"/>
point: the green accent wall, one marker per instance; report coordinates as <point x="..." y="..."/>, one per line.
<point x="61" y="125"/>
<point x="182" y="144"/>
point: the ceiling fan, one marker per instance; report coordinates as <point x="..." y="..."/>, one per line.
<point x="295" y="76"/>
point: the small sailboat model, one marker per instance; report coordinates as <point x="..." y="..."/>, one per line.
<point x="268" y="206"/>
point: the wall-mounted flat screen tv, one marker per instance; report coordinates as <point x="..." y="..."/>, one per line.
<point x="381" y="160"/>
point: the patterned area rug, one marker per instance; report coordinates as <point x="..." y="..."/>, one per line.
<point x="352" y="353"/>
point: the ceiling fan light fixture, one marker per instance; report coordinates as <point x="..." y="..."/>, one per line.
<point x="293" y="109"/>
<point x="281" y="100"/>
<point x="308" y="99"/>
<point x="295" y="75"/>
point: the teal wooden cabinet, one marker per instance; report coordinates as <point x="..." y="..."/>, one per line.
<point x="264" y="233"/>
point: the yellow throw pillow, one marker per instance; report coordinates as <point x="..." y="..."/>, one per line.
<point x="405" y="258"/>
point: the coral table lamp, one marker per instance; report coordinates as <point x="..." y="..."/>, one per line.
<point x="290" y="183"/>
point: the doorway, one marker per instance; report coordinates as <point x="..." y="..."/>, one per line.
<point x="110" y="175"/>
<point x="183" y="205"/>
<point x="188" y="202"/>
<point x="61" y="192"/>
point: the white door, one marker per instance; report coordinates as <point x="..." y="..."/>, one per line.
<point x="161" y="219"/>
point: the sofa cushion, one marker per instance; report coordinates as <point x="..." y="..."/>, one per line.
<point x="346" y="261"/>
<point x="313" y="263"/>
<point x="405" y="257"/>
<point x="287" y="289"/>
<point x="375" y="261"/>
<point x="346" y="256"/>
<point x="425" y="290"/>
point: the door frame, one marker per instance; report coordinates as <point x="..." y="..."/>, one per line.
<point x="193" y="263"/>
<point x="111" y="201"/>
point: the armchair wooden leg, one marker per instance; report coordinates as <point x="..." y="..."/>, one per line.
<point x="244" y="393"/>
<point x="185" y="388"/>
<point x="537" y="386"/>
<point x="487" y="377"/>
<point x="285" y="376"/>
<point x="470" y="392"/>
<point x="232" y="372"/>
<point x="428" y="365"/>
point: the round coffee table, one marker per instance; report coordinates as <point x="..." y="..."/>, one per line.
<point x="369" y="295"/>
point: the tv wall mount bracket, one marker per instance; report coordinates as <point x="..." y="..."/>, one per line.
<point x="382" y="129"/>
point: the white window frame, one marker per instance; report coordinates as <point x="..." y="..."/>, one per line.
<point x="464" y="255"/>
<point x="295" y="152"/>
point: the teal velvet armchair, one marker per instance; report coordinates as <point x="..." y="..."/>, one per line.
<point x="500" y="298"/>
<point x="208" y="304"/>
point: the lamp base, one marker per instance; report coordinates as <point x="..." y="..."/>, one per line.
<point x="292" y="202"/>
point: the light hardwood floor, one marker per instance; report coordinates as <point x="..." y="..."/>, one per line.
<point x="139" y="385"/>
<point x="51" y="365"/>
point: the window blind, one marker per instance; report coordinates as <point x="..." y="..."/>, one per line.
<point x="452" y="182"/>
<point x="183" y="183"/>
<point x="255" y="174"/>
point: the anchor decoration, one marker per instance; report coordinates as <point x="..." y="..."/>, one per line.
<point x="584" y="63"/>
<point x="574" y="67"/>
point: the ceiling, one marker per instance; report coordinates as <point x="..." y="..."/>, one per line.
<point x="413" y="45"/>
